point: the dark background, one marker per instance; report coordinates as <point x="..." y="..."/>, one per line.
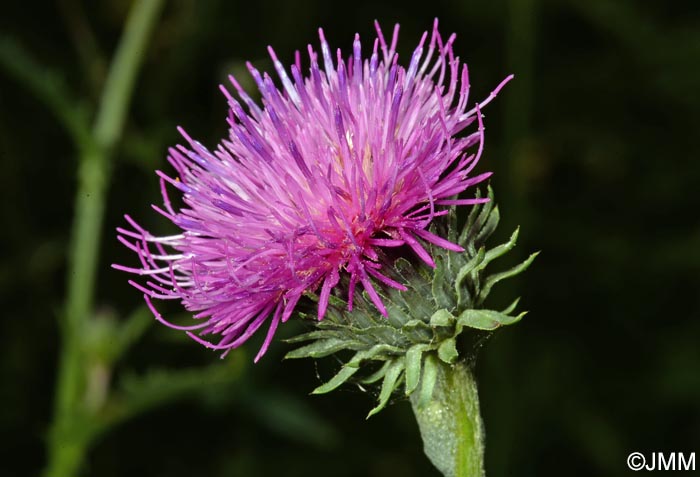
<point x="595" y="153"/>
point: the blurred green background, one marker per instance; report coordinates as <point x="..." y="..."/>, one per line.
<point x="595" y="153"/>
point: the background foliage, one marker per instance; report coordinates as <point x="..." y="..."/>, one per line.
<point x="596" y="156"/>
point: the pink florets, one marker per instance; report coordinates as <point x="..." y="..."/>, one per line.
<point x="356" y="156"/>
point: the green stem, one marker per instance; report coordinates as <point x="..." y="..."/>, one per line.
<point x="450" y="424"/>
<point x="68" y="443"/>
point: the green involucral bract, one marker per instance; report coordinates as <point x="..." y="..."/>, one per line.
<point x="424" y="322"/>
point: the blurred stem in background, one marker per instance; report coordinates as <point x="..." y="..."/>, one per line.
<point x="70" y="436"/>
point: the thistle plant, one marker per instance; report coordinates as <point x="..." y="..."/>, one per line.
<point x="341" y="191"/>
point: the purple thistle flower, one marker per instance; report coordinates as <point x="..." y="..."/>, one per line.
<point x="355" y="157"/>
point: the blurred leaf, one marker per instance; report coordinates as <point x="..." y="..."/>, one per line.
<point x="290" y="416"/>
<point x="106" y="338"/>
<point x="48" y="87"/>
<point x="139" y="393"/>
<point x="131" y="330"/>
<point x="662" y="50"/>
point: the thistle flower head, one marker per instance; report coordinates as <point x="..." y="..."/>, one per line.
<point x="356" y="156"/>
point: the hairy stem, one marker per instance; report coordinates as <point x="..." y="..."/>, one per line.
<point x="69" y="436"/>
<point x="450" y="424"/>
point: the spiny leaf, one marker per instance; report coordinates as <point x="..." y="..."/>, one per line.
<point x="377" y="375"/>
<point x="496" y="252"/>
<point x="487" y="320"/>
<point x="377" y="352"/>
<point x="452" y="225"/>
<point x="489" y="226"/>
<point x="440" y="295"/>
<point x="484" y="223"/>
<point x="333" y="301"/>
<point x="404" y="269"/>
<point x="415" y="299"/>
<point x="397" y="314"/>
<point x="313" y="335"/>
<point x="493" y="279"/>
<point x="413" y="365"/>
<point x="465" y="271"/>
<point x="343" y="375"/>
<point x="375" y="330"/>
<point x="447" y="351"/>
<point x="322" y="348"/>
<point x="417" y="331"/>
<point x="398" y="300"/>
<point x="430" y="371"/>
<point x="388" y="385"/>
<point x="475" y="220"/>
<point x="337" y="302"/>
<point x="416" y="324"/>
<point x="511" y="307"/>
<point x="442" y="317"/>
